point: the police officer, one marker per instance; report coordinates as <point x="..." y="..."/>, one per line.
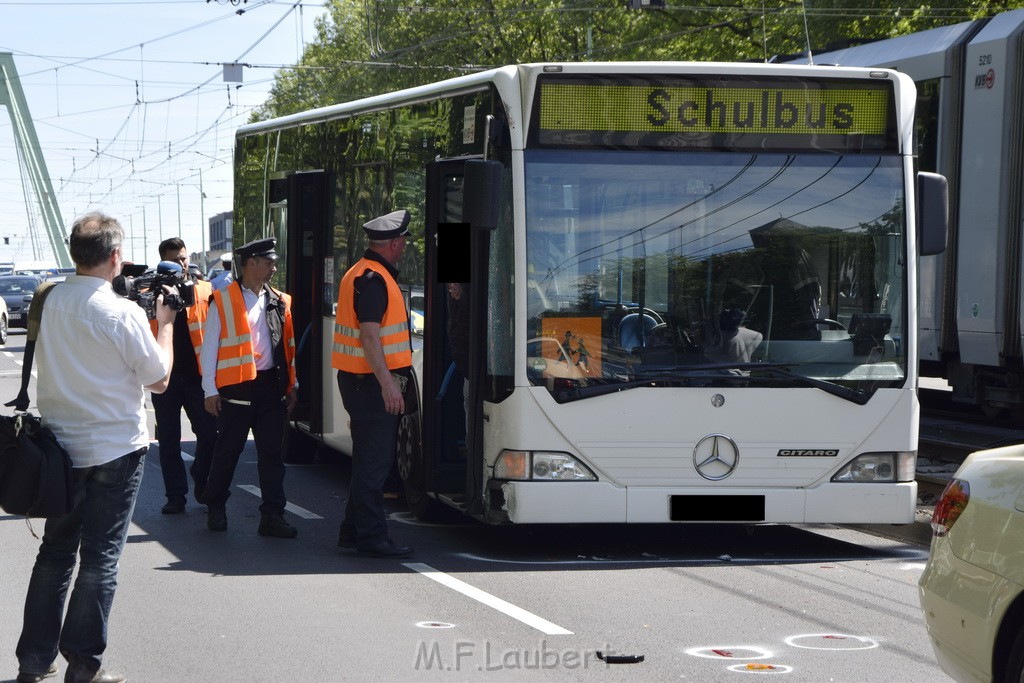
<point x="185" y="391"/>
<point x="224" y="277"/>
<point x="249" y="353"/>
<point x="373" y="357"/>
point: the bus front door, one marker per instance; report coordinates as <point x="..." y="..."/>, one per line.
<point x="439" y="465"/>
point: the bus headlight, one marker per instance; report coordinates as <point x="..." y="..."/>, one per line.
<point x="879" y="468"/>
<point x="541" y="466"/>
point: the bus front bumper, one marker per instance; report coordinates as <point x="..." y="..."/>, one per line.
<point x="554" y="502"/>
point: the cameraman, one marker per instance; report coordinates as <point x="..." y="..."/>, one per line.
<point x="96" y="358"/>
<point x="185" y="391"/>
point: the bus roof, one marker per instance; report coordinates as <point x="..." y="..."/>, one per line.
<point x="505" y="77"/>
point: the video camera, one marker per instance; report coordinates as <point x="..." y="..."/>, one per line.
<point x="143" y="286"/>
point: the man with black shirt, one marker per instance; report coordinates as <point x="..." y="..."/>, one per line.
<point x="185" y="391"/>
<point x="373" y="357"/>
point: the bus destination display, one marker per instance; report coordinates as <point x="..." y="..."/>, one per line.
<point x="791" y="113"/>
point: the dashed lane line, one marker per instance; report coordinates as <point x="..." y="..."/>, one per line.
<point x="485" y="598"/>
<point x="290" y="507"/>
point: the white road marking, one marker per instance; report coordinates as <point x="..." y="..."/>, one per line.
<point x="18" y="361"/>
<point x="485" y="598"/>
<point x="767" y="669"/>
<point x="730" y="652"/>
<point x="831" y="641"/>
<point x="290" y="507"/>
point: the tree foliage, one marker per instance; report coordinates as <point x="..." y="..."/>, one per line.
<point x="367" y="47"/>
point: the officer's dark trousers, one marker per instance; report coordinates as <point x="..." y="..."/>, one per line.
<point x="167" y="407"/>
<point x="266" y="416"/>
<point x="374" y="442"/>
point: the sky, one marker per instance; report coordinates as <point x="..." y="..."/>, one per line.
<point x="133" y="115"/>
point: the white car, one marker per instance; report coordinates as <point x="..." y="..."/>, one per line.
<point x="3" y="321"/>
<point x="972" y="589"/>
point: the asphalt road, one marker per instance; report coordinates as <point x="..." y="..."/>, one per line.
<point x="705" y="602"/>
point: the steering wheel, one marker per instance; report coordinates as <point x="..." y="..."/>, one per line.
<point x="649" y="312"/>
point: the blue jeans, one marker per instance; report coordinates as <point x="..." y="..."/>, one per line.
<point x="96" y="530"/>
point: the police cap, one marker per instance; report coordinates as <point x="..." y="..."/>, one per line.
<point x="262" y="248"/>
<point x="389" y="226"/>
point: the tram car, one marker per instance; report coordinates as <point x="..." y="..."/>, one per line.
<point x="970" y="128"/>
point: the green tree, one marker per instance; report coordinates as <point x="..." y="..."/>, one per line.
<point x="368" y="47"/>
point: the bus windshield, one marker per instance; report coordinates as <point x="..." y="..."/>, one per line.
<point x="668" y="268"/>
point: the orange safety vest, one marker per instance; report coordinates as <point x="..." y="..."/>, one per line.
<point x="196" y="315"/>
<point x="236" y="359"/>
<point x="348" y="352"/>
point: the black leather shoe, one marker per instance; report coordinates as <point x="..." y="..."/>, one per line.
<point x="102" y="676"/>
<point x="386" y="549"/>
<point x="347" y="538"/>
<point x="35" y="678"/>
<point x="175" y="505"/>
<point x="273" y="524"/>
<point x="217" y="520"/>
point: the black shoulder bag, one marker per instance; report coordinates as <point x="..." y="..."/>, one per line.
<point x="35" y="471"/>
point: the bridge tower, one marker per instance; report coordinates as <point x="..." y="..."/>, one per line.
<point x="30" y="157"/>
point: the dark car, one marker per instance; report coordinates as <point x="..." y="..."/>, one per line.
<point x="14" y="289"/>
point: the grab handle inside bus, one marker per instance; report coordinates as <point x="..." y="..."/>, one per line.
<point x="481" y="192"/>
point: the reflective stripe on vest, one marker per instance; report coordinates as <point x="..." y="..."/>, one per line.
<point x="195" y="315"/>
<point x="289" y="336"/>
<point x="235" y="358"/>
<point x="348" y="353"/>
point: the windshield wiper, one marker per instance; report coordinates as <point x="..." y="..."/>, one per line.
<point x="592" y="390"/>
<point x="689" y="375"/>
<point x="782" y="370"/>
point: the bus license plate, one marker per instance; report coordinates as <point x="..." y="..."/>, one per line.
<point x="717" y="509"/>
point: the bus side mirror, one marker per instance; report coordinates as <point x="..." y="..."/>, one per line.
<point x="932" y="213"/>
<point x="481" y="193"/>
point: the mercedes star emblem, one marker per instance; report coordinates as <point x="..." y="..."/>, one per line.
<point x="715" y="457"/>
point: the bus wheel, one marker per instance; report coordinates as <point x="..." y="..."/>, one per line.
<point x="410" y="468"/>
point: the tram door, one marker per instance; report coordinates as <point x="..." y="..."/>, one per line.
<point x="444" y="449"/>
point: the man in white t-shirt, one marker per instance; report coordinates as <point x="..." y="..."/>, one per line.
<point x="96" y="356"/>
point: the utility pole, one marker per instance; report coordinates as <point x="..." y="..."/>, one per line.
<point x="131" y="235"/>
<point x="144" y="250"/>
<point x="202" y="216"/>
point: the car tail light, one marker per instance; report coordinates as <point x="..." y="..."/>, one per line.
<point x="950" y="506"/>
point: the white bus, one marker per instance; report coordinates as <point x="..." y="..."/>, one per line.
<point x="693" y="285"/>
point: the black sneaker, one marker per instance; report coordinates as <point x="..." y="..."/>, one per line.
<point x="175" y="505"/>
<point x="217" y="520"/>
<point x="273" y="524"/>
<point x="386" y="549"/>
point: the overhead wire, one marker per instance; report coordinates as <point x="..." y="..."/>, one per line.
<point x="140" y="101"/>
